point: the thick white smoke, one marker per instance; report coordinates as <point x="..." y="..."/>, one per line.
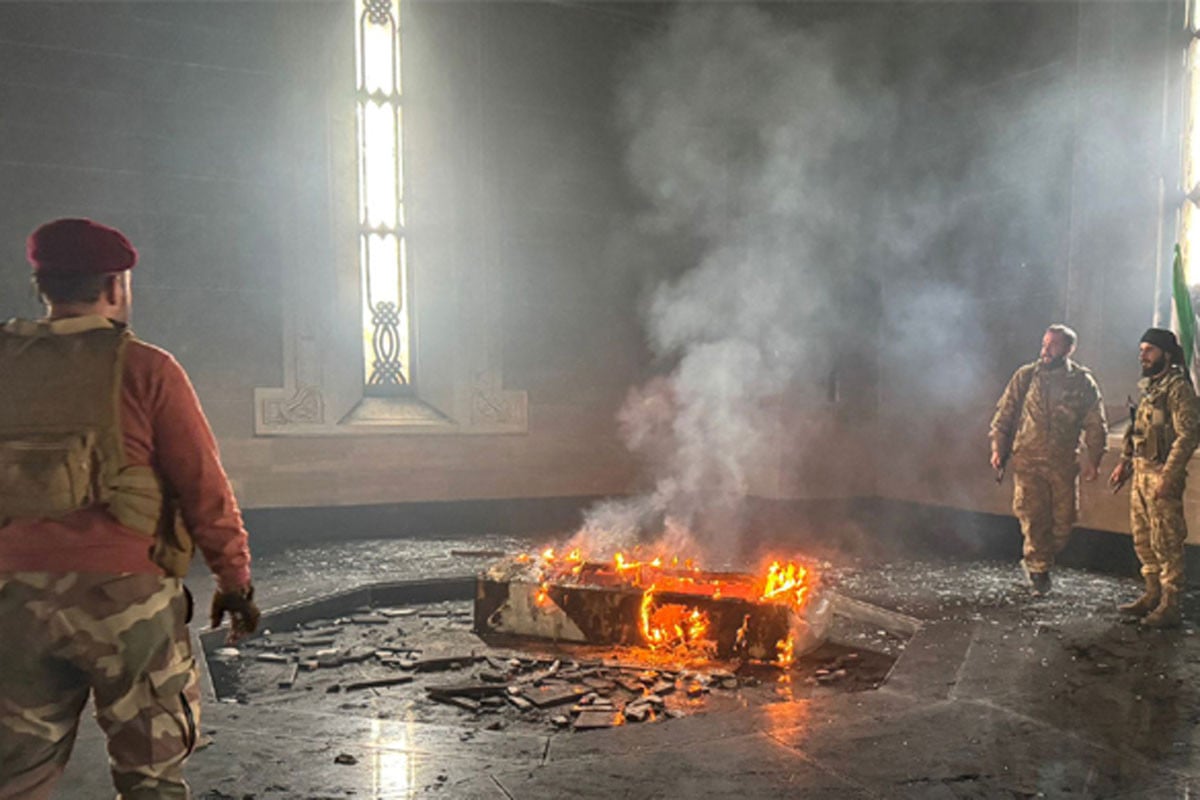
<point x="773" y="146"/>
<point x="735" y="125"/>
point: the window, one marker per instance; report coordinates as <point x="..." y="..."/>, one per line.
<point x="353" y="307"/>
<point x="382" y="245"/>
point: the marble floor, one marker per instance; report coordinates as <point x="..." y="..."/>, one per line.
<point x="998" y="695"/>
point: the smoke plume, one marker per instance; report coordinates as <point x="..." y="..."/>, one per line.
<point x="771" y="140"/>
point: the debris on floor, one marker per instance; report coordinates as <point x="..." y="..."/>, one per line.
<point x="425" y="662"/>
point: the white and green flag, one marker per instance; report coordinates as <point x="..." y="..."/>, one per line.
<point x="1185" y="317"/>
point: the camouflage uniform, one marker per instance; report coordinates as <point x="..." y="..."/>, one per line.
<point x="123" y="637"/>
<point x="109" y="479"/>
<point x="1163" y="434"/>
<point x="1038" y="420"/>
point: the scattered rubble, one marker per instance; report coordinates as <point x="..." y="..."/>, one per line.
<point x="425" y="662"/>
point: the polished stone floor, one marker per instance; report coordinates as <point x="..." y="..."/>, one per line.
<point x="998" y="695"/>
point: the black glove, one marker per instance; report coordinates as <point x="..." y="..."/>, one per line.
<point x="243" y="614"/>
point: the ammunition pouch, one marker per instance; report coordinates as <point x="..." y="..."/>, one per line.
<point x="1154" y="444"/>
<point x="47" y="474"/>
<point x="138" y="500"/>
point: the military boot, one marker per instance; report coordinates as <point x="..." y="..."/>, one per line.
<point x="1039" y="582"/>
<point x="1167" y="614"/>
<point x="1147" y="602"/>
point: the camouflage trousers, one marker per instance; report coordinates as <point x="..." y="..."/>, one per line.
<point x="122" y="638"/>
<point x="1046" y="503"/>
<point x="1159" y="528"/>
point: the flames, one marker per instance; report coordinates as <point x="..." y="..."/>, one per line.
<point x="785" y="579"/>
<point x="670" y="626"/>
<point x="673" y="626"/>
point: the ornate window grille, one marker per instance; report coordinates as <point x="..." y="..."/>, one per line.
<point x="382" y="245"/>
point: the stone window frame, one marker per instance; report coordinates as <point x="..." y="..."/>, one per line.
<point x="323" y="392"/>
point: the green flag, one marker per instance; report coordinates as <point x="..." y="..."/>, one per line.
<point x="1183" y="311"/>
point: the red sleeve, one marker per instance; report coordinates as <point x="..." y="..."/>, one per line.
<point x="185" y="454"/>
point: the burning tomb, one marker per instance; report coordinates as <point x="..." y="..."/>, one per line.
<point x="669" y="607"/>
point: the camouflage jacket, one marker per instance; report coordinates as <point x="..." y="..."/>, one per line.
<point x="1042" y="412"/>
<point x="1166" y="423"/>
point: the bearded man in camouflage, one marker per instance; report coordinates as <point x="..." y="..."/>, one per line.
<point x="1158" y="443"/>
<point x="1044" y="409"/>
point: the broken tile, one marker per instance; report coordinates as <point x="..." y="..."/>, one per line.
<point x="599" y="684"/>
<point x="547" y="696"/>
<point x="597" y="718"/>
<point x="467" y="690"/>
<point x="629" y="684"/>
<point x="357" y="655"/>
<point x="288" y="679"/>
<point x="465" y="703"/>
<point x="519" y="702"/>
<point x="637" y="712"/>
<point x="444" y="662"/>
<point x="374" y="683"/>
<point x="271" y="658"/>
<point x="324" y="641"/>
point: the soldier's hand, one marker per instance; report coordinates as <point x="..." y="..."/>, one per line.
<point x="243" y="613"/>
<point x="1120" y="474"/>
<point x="1089" y="472"/>
<point x="996" y="460"/>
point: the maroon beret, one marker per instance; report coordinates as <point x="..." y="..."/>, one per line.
<point x="79" y="246"/>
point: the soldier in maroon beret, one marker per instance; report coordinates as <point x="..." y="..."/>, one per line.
<point x="79" y="246"/>
<point x="111" y="480"/>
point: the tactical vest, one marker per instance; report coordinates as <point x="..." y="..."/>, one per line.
<point x="61" y="446"/>
<point x="1151" y="430"/>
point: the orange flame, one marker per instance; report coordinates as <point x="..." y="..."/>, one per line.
<point x="672" y="625"/>
<point x="782" y="579"/>
<point x="675" y="628"/>
<point x="787" y="651"/>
